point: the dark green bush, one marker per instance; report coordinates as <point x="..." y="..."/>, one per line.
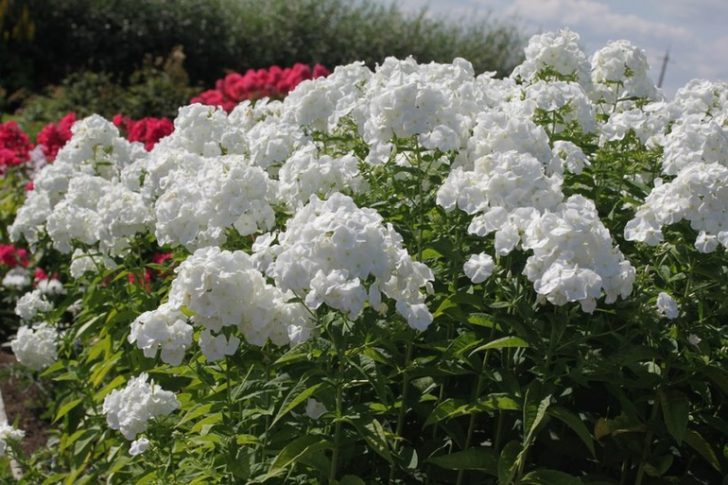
<point x="158" y="89"/>
<point x="114" y="36"/>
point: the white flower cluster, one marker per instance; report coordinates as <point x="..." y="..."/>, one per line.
<point x="221" y="289"/>
<point x="307" y="173"/>
<point x="573" y="257"/>
<point x="17" y="278"/>
<point x="35" y="346"/>
<point x="619" y="71"/>
<point x="200" y="202"/>
<point x="8" y="432"/>
<point x="31" y="304"/>
<point x="79" y="196"/>
<point x="698" y="194"/>
<point x="130" y="409"/>
<point x="332" y="248"/>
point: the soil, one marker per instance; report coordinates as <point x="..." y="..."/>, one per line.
<point x="24" y="403"/>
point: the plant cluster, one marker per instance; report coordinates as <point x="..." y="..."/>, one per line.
<point x="272" y="82"/>
<point x="401" y="275"/>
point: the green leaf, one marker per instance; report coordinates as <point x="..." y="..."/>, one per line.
<point x="698" y="443"/>
<point x="290" y="403"/>
<point x="575" y="423"/>
<point x="445" y="410"/>
<point x="373" y="433"/>
<point x="66" y="408"/>
<point x="193" y="413"/>
<point x="675" y="410"/>
<point x="532" y="419"/>
<point x="246" y="439"/>
<point x="471" y="459"/>
<point x="507" y="462"/>
<point x="204" y="425"/>
<point x="502" y="343"/>
<point x="550" y="477"/>
<point x="297" y="449"/>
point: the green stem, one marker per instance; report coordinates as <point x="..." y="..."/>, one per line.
<point x="471" y="423"/>
<point x="646" y="444"/>
<point x="403" y="405"/>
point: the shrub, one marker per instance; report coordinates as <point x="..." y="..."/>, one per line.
<point x="113" y="36"/>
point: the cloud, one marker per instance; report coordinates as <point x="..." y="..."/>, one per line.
<point x="596" y="18"/>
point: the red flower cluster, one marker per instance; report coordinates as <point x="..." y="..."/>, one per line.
<point x="146" y="130"/>
<point x="54" y="136"/>
<point x="14" y="145"/>
<point x="255" y="84"/>
<point x="12" y="256"/>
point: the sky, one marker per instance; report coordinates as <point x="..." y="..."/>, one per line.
<point x="694" y="31"/>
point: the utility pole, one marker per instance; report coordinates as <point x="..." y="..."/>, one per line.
<point x="665" y="60"/>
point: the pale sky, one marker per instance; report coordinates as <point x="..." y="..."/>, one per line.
<point x="695" y="31"/>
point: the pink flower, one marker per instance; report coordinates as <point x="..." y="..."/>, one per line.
<point x="54" y="136"/>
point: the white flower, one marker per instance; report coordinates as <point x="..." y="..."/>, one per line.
<point x="478" y="267"/>
<point x="31" y="304"/>
<point x="35" y="347"/>
<point x="130" y="409"/>
<point x="17" y="278"/>
<point x="315" y="409"/>
<point x="8" y="432"/>
<point x="50" y="287"/>
<point x="164" y="328"/>
<point x="329" y="248"/>
<point x="138" y="446"/>
<point x="216" y="347"/>
<point x="667" y="306"/>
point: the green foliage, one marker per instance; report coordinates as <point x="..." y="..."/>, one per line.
<point x="114" y="36"/>
<point x="158" y="89"/>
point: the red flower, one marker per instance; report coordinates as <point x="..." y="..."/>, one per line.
<point x="54" y="136"/>
<point x="146" y="130"/>
<point x="12" y="256"/>
<point x="14" y="145"/>
<point x="39" y="275"/>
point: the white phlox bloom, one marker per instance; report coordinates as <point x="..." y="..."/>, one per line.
<point x="503" y="131"/>
<point x="130" y="409"/>
<point x="51" y="287"/>
<point x="162" y="329"/>
<point x="321" y="103"/>
<point x="8" y="432"/>
<point x="198" y="206"/>
<point x="335" y="253"/>
<point x="573" y="257"/>
<point x="667" y="306"/>
<point x="648" y="124"/>
<point x="17" y="278"/>
<point x="709" y="99"/>
<point x="307" y="173"/>
<point x="478" y="267"/>
<point x="35" y="346"/>
<point x="96" y="155"/>
<point x="556" y="51"/>
<point x="694" y="140"/>
<point x="138" y="446"/>
<point x="315" y="409"/>
<point x="698" y="194"/>
<point x="223" y="288"/>
<point x="83" y="262"/>
<point x="571" y="157"/>
<point x="566" y="98"/>
<point x="620" y="70"/>
<point x="202" y="130"/>
<point x="504" y="191"/>
<point x="31" y="304"/>
<point x="216" y="347"/>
